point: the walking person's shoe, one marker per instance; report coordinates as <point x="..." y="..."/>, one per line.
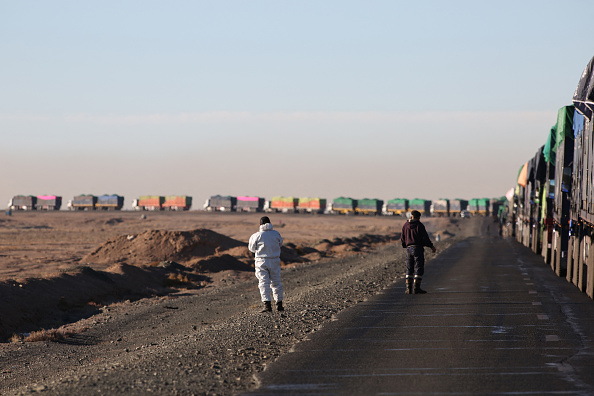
<point x="409" y="286"/>
<point x="417" y="287"/>
<point x="279" y="306"/>
<point x="267" y="307"/>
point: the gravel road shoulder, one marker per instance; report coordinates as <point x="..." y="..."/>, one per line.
<point x="210" y="342"/>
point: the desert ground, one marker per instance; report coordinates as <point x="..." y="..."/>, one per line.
<point x="134" y="294"/>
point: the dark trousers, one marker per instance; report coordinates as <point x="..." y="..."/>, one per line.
<point x="415" y="261"/>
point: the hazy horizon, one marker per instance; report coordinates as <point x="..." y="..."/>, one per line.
<point x="382" y="99"/>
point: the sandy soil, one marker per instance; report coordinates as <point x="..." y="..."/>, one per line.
<point x="41" y="244"/>
<point x="131" y="292"/>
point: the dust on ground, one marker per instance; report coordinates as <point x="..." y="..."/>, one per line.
<point x="59" y="267"/>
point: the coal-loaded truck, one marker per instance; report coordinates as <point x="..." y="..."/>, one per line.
<point x="397" y="206"/>
<point x="39" y="202"/>
<point x="283" y="204"/>
<point x="221" y="203"/>
<point x="457" y="206"/>
<point x="369" y="206"/>
<point x="177" y="202"/>
<point x="109" y="202"/>
<point x="441" y="207"/>
<point x="344" y="205"/>
<point x="23" y="202"/>
<point x="148" y="202"/>
<point x="311" y="205"/>
<point x="159" y="202"/>
<point x="422" y="205"/>
<point x="83" y="202"/>
<point x="250" y="204"/>
<point x="479" y="206"/>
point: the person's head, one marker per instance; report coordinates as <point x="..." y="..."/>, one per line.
<point x="415" y="214"/>
<point x="264" y="220"/>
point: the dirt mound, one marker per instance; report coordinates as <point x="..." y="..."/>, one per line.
<point x="33" y="303"/>
<point x="160" y="245"/>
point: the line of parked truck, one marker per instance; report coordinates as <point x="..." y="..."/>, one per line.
<point x="351" y="206"/>
<point x="340" y="205"/>
<point x="551" y="209"/>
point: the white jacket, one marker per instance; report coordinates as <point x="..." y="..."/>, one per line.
<point x="266" y="243"/>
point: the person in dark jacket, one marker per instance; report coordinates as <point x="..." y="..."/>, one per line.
<point x="414" y="238"/>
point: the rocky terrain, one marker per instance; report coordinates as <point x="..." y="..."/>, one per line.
<point x="193" y="335"/>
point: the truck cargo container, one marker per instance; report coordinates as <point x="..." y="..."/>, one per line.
<point x="441" y="207"/>
<point x="283" y="204"/>
<point x="344" y="205"/>
<point x="250" y="204"/>
<point x="580" y="264"/>
<point x="421" y="205"/>
<point x="48" y="202"/>
<point x="311" y="205"/>
<point x="564" y="145"/>
<point x="397" y="206"/>
<point x="479" y="206"/>
<point x="220" y="203"/>
<point x="458" y="205"/>
<point x="484" y="207"/>
<point x="83" y="202"/>
<point x="149" y="202"/>
<point x="23" y="202"/>
<point x="110" y="202"/>
<point x="177" y="202"/>
<point x="369" y="206"/>
<point x="495" y="204"/>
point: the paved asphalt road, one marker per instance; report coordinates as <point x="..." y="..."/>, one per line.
<point x="496" y="321"/>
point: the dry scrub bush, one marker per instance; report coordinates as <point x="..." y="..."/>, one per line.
<point x="178" y="280"/>
<point x="16" y="338"/>
<point x="42" y="335"/>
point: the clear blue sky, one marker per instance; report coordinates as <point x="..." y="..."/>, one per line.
<point x="367" y="99"/>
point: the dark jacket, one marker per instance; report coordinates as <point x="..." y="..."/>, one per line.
<point x="414" y="233"/>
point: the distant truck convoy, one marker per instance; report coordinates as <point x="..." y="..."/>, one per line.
<point x="279" y="204"/>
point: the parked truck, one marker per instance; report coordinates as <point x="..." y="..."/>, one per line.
<point x="479" y="206"/>
<point x="283" y="204"/>
<point x="48" y="202"/>
<point x="422" y="205"/>
<point x="369" y="206"/>
<point x="311" y="205"/>
<point x="148" y="202"/>
<point x="220" y="203"/>
<point x="441" y="207"/>
<point x="457" y="206"/>
<point x="177" y="202"/>
<point x="250" y="204"/>
<point x="23" y="202"/>
<point x="397" y="206"/>
<point x="344" y="205"/>
<point x="83" y="202"/>
<point x="110" y="202"/>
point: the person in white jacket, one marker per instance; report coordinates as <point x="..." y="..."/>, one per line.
<point x="266" y="244"/>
